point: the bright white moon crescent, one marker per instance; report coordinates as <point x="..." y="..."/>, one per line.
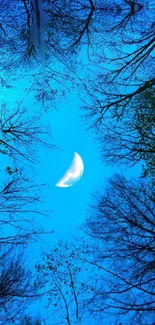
<point x="73" y="174"/>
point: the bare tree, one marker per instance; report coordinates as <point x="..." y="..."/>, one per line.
<point x="72" y="26"/>
<point x="123" y="62"/>
<point x="66" y="278"/>
<point x="131" y="138"/>
<point x="122" y="223"/>
<point x="20" y="201"/>
<point x="20" y="134"/>
<point x="20" y="207"/>
<point x="16" y="285"/>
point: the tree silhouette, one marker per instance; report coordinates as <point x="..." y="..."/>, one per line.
<point x="66" y="280"/>
<point x="20" y="207"/>
<point x="131" y="138"/>
<point x="122" y="222"/>
<point x="16" y="284"/>
<point x="20" y="134"/>
<point x="20" y="199"/>
<point x="123" y="69"/>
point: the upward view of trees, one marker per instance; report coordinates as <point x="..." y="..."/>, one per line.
<point x="102" y="53"/>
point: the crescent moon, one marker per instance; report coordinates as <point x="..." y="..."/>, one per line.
<point x="73" y="174"/>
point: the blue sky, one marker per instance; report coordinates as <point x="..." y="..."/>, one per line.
<point x="69" y="134"/>
<point x="70" y="204"/>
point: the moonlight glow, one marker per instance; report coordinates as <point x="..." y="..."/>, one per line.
<point x="73" y="174"/>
